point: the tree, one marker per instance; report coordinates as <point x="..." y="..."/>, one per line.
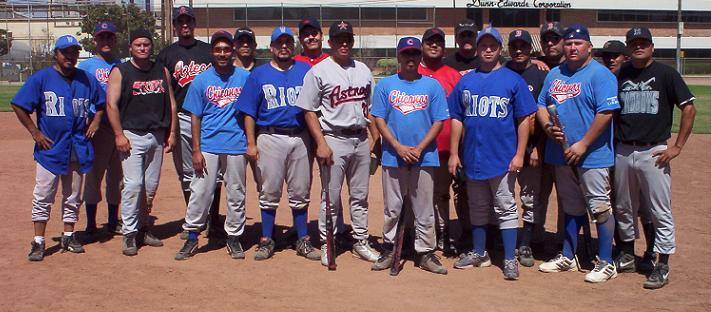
<point x="125" y="18"/>
<point x="5" y="42"/>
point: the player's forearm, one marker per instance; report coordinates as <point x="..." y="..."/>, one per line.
<point x="195" y="130"/>
<point x="688" y="114"/>
<point x="543" y="118"/>
<point x="430" y="136"/>
<point x="455" y="136"/>
<point x="97" y="117"/>
<point x="173" y="107"/>
<point x="25" y="120"/>
<point x="385" y="132"/>
<point x="249" y="130"/>
<point x="373" y="128"/>
<point x="523" y="133"/>
<point x="600" y="123"/>
<point x="113" y="92"/>
<point x="314" y="127"/>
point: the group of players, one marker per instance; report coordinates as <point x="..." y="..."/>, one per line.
<point x="471" y="121"/>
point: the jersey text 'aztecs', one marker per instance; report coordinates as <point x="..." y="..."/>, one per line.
<point x="184" y="64"/>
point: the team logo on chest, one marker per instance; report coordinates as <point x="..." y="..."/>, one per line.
<point x="148" y="87"/>
<point x="102" y="75"/>
<point x="408" y="103"/>
<point x="351" y="94"/>
<point x="185" y="73"/>
<point x="562" y="91"/>
<point x="222" y="97"/>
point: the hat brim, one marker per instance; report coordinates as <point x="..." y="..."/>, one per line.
<point x="408" y="49"/>
<point x="104" y="31"/>
<point x="488" y="35"/>
<point x="175" y="18"/>
<point x="68" y="46"/>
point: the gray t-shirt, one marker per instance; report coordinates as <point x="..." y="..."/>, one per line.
<point x="340" y="95"/>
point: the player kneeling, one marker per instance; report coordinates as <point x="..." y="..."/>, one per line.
<point x="409" y="110"/>
<point x="492" y="105"/>
<point x="219" y="145"/>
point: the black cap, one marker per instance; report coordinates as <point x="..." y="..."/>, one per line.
<point x="637" y="33"/>
<point x="220" y="34"/>
<point x="183" y="10"/>
<point x="340" y="27"/>
<point x="613" y="47"/>
<point x="465" y="25"/>
<point x="520" y="34"/>
<point x="140" y="33"/>
<point x="554" y="27"/>
<point x="434" y="31"/>
<point x="244" y="31"/>
<point x="309" y="22"/>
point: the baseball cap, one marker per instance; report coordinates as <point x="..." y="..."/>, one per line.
<point x="104" y="27"/>
<point x="140" y="33"/>
<point x="309" y="22"/>
<point x="520" y="34"/>
<point x="465" y="25"/>
<point x="489" y="31"/>
<point x="434" y="31"/>
<point x="244" y="31"/>
<point x="183" y="10"/>
<point x="66" y="41"/>
<point x="409" y="43"/>
<point x="220" y="34"/>
<point x="281" y="31"/>
<point x="577" y="31"/>
<point x="639" y="33"/>
<point x="554" y="27"/>
<point x="340" y="27"/>
<point x="614" y="47"/>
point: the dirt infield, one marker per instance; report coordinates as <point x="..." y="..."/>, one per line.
<point x="105" y="280"/>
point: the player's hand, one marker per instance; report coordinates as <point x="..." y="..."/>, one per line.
<point x="665" y="156"/>
<point x="169" y="144"/>
<point x="516" y="163"/>
<point x="541" y="65"/>
<point x="324" y="155"/>
<point x="91" y="130"/>
<point x="454" y="164"/>
<point x="535" y="158"/>
<point x="198" y="161"/>
<point x="42" y="141"/>
<point x="575" y="153"/>
<point x="122" y="143"/>
<point x="252" y="152"/>
<point x="403" y="152"/>
<point x="556" y="134"/>
<point x="416" y="153"/>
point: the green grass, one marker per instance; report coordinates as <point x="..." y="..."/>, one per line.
<point x="6" y="94"/>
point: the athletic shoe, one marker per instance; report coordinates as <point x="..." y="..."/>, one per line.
<point x="306" y="250"/>
<point x="129" y="244"/>
<point x="385" y="261"/>
<point x="648" y="262"/>
<point x="430" y="262"/>
<point x="36" y="252"/>
<point x="265" y="250"/>
<point x="624" y="262"/>
<point x="362" y="249"/>
<point x="559" y="264"/>
<point x="602" y="272"/>
<point x="525" y="256"/>
<point x="188" y="250"/>
<point x="510" y="269"/>
<point x="184" y="235"/>
<point x="472" y="259"/>
<point x="116" y="229"/>
<point x="149" y="239"/>
<point x="659" y="277"/>
<point x="234" y="248"/>
<point x="71" y="243"/>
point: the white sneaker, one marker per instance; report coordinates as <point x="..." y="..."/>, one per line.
<point x="602" y="272"/>
<point x="362" y="249"/>
<point x="559" y="264"/>
<point x="324" y="257"/>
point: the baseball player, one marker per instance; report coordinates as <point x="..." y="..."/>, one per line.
<point x="432" y="66"/>
<point x="552" y="44"/>
<point x="142" y="113"/>
<point x="464" y="59"/>
<point x="61" y="97"/>
<point x="585" y="97"/>
<point x="529" y="177"/>
<point x="649" y="90"/>
<point x="106" y="159"/>
<point x="613" y="54"/>
<point x="278" y="141"/>
<point x="336" y="99"/>
<point x="492" y="107"/>
<point x="409" y="110"/>
<point x="245" y="45"/>
<point x="311" y="39"/>
<point x="219" y="145"/>
<point x="185" y="59"/>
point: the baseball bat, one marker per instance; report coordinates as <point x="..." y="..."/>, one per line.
<point x="399" y="238"/>
<point x="330" y="242"/>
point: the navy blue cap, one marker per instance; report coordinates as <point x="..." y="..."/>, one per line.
<point x="244" y="31"/>
<point x="281" y="31"/>
<point x="434" y="31"/>
<point x="489" y="31"/>
<point x="220" y="34"/>
<point x="66" y="41"/>
<point x="408" y="43"/>
<point x="520" y="34"/>
<point x="553" y="27"/>
<point x="102" y="27"/>
<point x="183" y="10"/>
<point x="638" y="33"/>
<point x="309" y="22"/>
<point x="340" y="27"/>
<point x="577" y="31"/>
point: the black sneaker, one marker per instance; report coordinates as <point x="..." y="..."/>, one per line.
<point x="36" y="252"/>
<point x="430" y="262"/>
<point x="265" y="250"/>
<point x="148" y="239"/>
<point x="71" y="244"/>
<point x="659" y="277"/>
<point x="234" y="248"/>
<point x="648" y="262"/>
<point x="129" y="244"/>
<point x="306" y="250"/>
<point x="624" y="262"/>
<point x="525" y="256"/>
<point x="188" y="250"/>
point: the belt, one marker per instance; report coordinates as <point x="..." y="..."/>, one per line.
<point x="282" y="131"/>
<point x="642" y="144"/>
<point x="346" y="132"/>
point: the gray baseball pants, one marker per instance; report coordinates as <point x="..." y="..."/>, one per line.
<point x="46" y="184"/>
<point x="183" y="152"/>
<point x="106" y="160"/>
<point x="141" y="174"/>
<point x="284" y="158"/>
<point x="496" y="193"/>
<point x="587" y="193"/>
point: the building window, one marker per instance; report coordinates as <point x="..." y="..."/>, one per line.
<point x="474" y="14"/>
<point x="339" y="13"/>
<point x="552" y="15"/>
<point x="514" y="18"/>
<point x="702" y="17"/>
<point x="329" y="13"/>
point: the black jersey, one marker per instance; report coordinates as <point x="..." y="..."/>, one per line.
<point x="184" y="63"/>
<point x="145" y="103"/>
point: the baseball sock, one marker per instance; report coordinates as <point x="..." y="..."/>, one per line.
<point x="479" y="239"/>
<point x="604" y="236"/>
<point x="192" y="235"/>
<point x="527" y="233"/>
<point x="649" y="235"/>
<point x="68" y="233"/>
<point x="113" y="215"/>
<point x="300" y="223"/>
<point x="509" y="238"/>
<point x="268" y="216"/>
<point x="572" y="228"/>
<point x="664" y="258"/>
<point x="39" y="239"/>
<point x="90" y="216"/>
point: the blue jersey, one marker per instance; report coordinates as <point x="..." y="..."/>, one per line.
<point x="62" y="115"/>
<point x="100" y="69"/>
<point x="409" y="108"/>
<point x="214" y="98"/>
<point x="487" y="104"/>
<point x="578" y="96"/>
<point x="270" y="94"/>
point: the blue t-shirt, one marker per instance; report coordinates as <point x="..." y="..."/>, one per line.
<point x="409" y="108"/>
<point x="487" y="104"/>
<point x="270" y="94"/>
<point x="214" y="98"/>
<point x="578" y="96"/>
<point x="100" y="69"/>
<point x="62" y="114"/>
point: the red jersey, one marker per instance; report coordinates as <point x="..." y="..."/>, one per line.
<point x="448" y="78"/>
<point x="310" y="61"/>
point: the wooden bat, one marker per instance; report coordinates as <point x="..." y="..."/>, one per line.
<point x="399" y="238"/>
<point x="330" y="241"/>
